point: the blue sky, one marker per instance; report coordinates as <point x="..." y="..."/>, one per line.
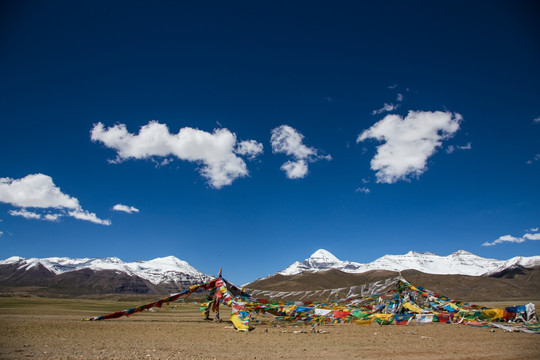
<point x="365" y="129"/>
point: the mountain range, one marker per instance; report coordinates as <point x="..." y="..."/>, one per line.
<point x="86" y="276"/>
<point x="459" y="263"/>
<point x="62" y="276"/>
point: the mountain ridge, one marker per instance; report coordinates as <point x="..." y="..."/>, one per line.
<point x="460" y="262"/>
<point x="158" y="270"/>
<point x="62" y="276"/>
<point x="85" y="276"/>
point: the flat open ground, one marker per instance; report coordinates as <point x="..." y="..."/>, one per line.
<point x="52" y="329"/>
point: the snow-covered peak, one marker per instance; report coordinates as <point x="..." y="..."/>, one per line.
<point x="159" y="270"/>
<point x="461" y="262"/>
<point x="419" y="254"/>
<point x="319" y="260"/>
<point x="526" y="262"/>
<point x="324" y="256"/>
<point x="295" y="268"/>
<point x="168" y="262"/>
<point x="11" y="260"/>
<point x="322" y="259"/>
<point x="163" y="269"/>
<point x="412" y="253"/>
<point x="462" y="253"/>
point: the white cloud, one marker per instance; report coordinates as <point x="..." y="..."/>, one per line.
<point x="465" y="147"/>
<point x="217" y="151"/>
<point x="286" y="140"/>
<point x="504" y="239"/>
<point x="125" y="208"/>
<point x="33" y="215"/>
<point x="536" y="120"/>
<point x="364" y="190"/>
<point x="25" y="214"/>
<point x="52" y="217"/>
<point x="1" y="233"/>
<point x="249" y="148"/>
<point x="408" y="142"/>
<point x="88" y="216"/>
<point x="513" y="239"/>
<point x="534" y="229"/>
<point x="35" y="190"/>
<point x="399" y="97"/>
<point x="450" y="149"/>
<point x="532" y="236"/>
<point x="386" y="108"/>
<point x="39" y="191"/>
<point x="295" y="169"/>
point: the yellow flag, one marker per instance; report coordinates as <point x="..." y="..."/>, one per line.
<point x="412" y="307"/>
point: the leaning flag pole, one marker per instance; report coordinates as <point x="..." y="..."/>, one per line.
<point x="159" y="303"/>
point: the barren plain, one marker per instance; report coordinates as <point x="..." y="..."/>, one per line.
<point x="38" y="328"/>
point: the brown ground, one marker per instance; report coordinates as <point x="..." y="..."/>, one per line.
<point x="521" y="284"/>
<point x="52" y="329"/>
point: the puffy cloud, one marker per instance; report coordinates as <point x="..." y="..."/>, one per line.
<point x="217" y="151"/>
<point x="52" y="217"/>
<point x="513" y="239"/>
<point x="386" y="108"/>
<point x="125" y="208"/>
<point x="295" y="169"/>
<point x="399" y="97"/>
<point x="532" y="236"/>
<point x="286" y="140"/>
<point x="39" y="191"/>
<point x="249" y="148"/>
<point x="408" y="142"/>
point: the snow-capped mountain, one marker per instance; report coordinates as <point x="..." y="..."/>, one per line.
<point x="157" y="271"/>
<point x="516" y="262"/>
<point x="461" y="262"/>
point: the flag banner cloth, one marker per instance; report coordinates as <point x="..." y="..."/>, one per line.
<point x="390" y="301"/>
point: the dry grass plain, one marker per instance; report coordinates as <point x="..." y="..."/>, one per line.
<point x="37" y="328"/>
